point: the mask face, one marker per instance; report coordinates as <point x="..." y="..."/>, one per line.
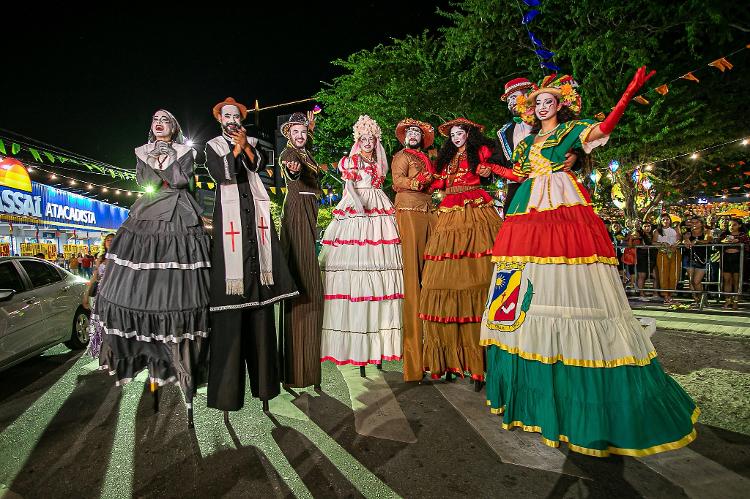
<point x="458" y="136"/>
<point x="367" y="143"/>
<point x="231" y="119"/>
<point x="512" y="102"/>
<point x="161" y="126"/>
<point x="298" y="133"/>
<point x="546" y="106"/>
<point x="413" y="136"/>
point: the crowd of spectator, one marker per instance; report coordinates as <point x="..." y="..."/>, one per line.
<point x="687" y="255"/>
<point x="80" y="264"/>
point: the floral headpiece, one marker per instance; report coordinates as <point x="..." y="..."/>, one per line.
<point x="366" y="126"/>
<point x="563" y="87"/>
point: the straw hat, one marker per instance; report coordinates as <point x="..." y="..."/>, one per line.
<point x="445" y="128"/>
<point x="428" y="133"/>
<point x="294" y="119"/>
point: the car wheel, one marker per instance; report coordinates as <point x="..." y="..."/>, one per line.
<point x="80" y="333"/>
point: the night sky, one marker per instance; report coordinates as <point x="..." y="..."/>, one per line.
<point x="90" y="80"/>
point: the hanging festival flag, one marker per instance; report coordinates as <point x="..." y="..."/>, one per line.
<point x="600" y="116"/>
<point x="641" y="100"/>
<point x="533" y="3"/>
<point x="722" y="64"/>
<point x="614" y="165"/>
<point x="317" y="109"/>
<point x="536" y="41"/>
<point x="550" y="65"/>
<point x="646" y="184"/>
<point x="690" y="76"/>
<point x="529" y="16"/>
<point x="544" y="53"/>
<point x="662" y="89"/>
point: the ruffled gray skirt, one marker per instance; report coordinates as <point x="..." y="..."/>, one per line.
<point x="153" y="303"/>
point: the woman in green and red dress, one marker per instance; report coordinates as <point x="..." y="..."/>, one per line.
<point x="565" y="355"/>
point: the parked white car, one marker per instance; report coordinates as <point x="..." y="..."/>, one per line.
<point x="40" y="307"/>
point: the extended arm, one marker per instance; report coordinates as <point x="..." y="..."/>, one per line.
<point x="610" y="122"/>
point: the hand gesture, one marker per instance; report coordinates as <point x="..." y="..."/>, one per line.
<point x="570" y="160"/>
<point x="639" y="79"/>
<point x="310" y="121"/>
<point x="253" y="141"/>
<point x="484" y="171"/>
<point x="240" y="138"/>
<point x="292" y="166"/>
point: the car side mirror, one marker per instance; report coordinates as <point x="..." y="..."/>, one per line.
<point x="6" y="294"/>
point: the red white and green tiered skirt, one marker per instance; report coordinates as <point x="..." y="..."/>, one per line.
<point x="565" y="355"/>
<point x="363" y="282"/>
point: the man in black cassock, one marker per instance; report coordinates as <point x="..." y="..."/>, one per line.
<point x="248" y="269"/>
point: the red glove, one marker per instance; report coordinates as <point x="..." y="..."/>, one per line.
<point x="437" y="184"/>
<point x="505" y="172"/>
<point x="640" y="78"/>
<point x="424" y="177"/>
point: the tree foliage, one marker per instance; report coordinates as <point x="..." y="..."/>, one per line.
<point x="459" y="69"/>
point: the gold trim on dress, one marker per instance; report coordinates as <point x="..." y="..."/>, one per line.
<point x="622" y="361"/>
<point x="610" y="450"/>
<point x="557" y="260"/>
<point x="539" y="210"/>
<point x="476" y="202"/>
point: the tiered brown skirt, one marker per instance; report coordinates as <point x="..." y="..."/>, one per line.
<point x="457" y="274"/>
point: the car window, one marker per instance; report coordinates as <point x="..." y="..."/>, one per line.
<point x="9" y="277"/>
<point x="40" y="273"/>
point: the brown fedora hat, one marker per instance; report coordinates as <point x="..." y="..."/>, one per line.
<point x="229" y="101"/>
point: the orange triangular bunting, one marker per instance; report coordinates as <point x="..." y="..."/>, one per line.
<point x="721" y="64"/>
<point x="641" y="100"/>
<point x="599" y="116"/>
<point x="690" y="76"/>
<point x="662" y="90"/>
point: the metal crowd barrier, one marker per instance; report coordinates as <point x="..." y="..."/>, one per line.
<point x="713" y="279"/>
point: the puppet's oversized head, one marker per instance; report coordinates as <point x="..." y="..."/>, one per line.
<point x="296" y="129"/>
<point x="164" y="128"/>
<point x="230" y="114"/>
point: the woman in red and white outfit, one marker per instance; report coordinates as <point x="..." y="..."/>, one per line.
<point x="361" y="261"/>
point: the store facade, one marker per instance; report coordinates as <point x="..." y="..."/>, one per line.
<point x="38" y="218"/>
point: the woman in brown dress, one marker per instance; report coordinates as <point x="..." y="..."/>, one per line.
<point x="458" y="266"/>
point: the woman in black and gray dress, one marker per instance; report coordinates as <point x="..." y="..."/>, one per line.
<point x="153" y="305"/>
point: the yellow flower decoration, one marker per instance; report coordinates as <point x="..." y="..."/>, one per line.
<point x="521" y="104"/>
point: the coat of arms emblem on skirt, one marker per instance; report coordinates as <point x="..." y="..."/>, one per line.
<point x="510" y="297"/>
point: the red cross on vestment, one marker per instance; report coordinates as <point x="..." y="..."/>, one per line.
<point x="232" y="233"/>
<point x="262" y="226"/>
